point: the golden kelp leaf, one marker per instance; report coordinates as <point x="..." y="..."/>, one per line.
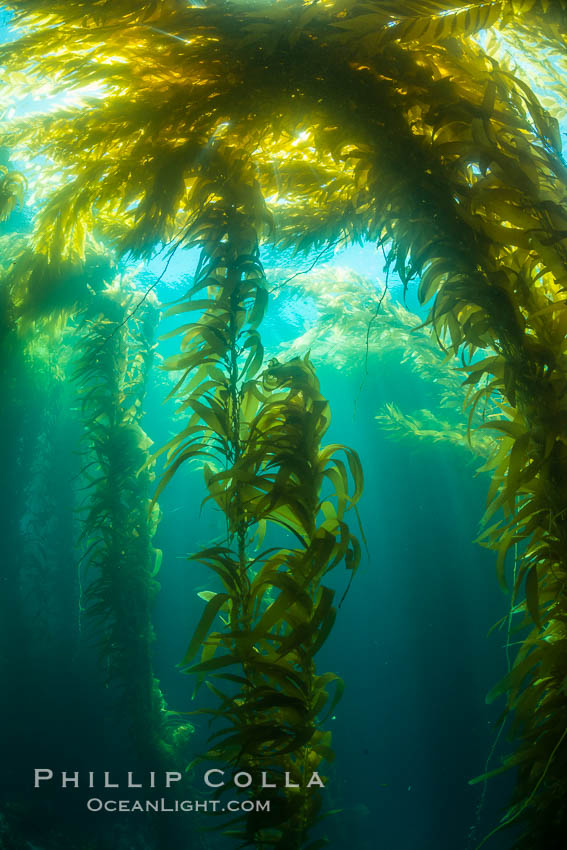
<point x="206" y="595"/>
<point x="436" y="28"/>
<point x="496" y="772"/>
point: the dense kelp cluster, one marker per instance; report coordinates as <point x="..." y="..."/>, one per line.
<point x="117" y="530"/>
<point x="316" y="125"/>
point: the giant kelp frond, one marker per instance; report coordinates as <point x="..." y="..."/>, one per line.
<point x="538" y="57"/>
<point x="282" y="453"/>
<point x="353" y="314"/>
<point x="45" y="293"/>
<point x="350" y="316"/>
<point x="258" y="435"/>
<point x="221" y="349"/>
<point x="118" y="560"/>
<point x="424" y="425"/>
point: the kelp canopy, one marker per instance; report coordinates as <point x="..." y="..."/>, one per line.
<point x="323" y="123"/>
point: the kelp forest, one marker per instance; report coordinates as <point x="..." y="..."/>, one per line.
<point x="212" y="419"/>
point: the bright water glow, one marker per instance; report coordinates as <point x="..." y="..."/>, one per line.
<point x="44" y="101"/>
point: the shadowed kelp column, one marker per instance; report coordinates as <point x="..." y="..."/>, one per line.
<point x="119" y="562"/>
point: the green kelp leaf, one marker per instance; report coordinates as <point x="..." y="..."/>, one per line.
<point x="330" y="513"/>
<point x="197" y="451"/>
<point x="511" y="429"/>
<point x="227" y="703"/>
<point x="437" y="28"/>
<point x="157" y="562"/>
<point x="188" y="305"/>
<point x="337" y="476"/>
<point x="290" y="594"/>
<point x="207" y="595"/>
<point x="255" y="355"/>
<point x="496" y="772"/>
<point x="212" y="414"/>
<point x="231" y="677"/>
<point x="512" y="680"/>
<point x="326" y="596"/>
<point x="300" y="737"/>
<point x="292" y="590"/>
<point x="325" y="550"/>
<point x="221" y="554"/>
<point x="208" y="652"/>
<point x="196" y="388"/>
<point x="289" y="680"/>
<point x="260" y="303"/>
<point x="254" y="739"/>
<point x="301" y="634"/>
<point x="214" y="664"/>
<point x="190" y="360"/>
<point x="503" y="548"/>
<point x="532" y="594"/>
<point x="212" y="608"/>
<point x="274" y="699"/>
<point x="337" y="696"/>
<point x="518" y="461"/>
<point x="324" y="631"/>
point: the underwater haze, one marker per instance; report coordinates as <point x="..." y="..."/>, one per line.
<point x="410" y="638"/>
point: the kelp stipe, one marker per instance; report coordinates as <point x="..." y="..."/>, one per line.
<point x="261" y="439"/>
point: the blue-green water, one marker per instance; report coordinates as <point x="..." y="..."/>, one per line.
<point x="410" y="639"/>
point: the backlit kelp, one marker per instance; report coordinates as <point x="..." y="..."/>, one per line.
<point x="350" y="317"/>
<point x="324" y="124"/>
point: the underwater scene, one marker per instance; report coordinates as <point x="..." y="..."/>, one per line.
<point x="283" y="433"/>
